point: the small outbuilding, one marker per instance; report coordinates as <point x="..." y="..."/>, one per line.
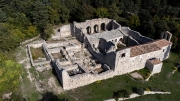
<point x="154" y="65"/>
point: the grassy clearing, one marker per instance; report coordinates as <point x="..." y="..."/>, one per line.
<point x="105" y="89"/>
<point x="37" y="52"/>
<point x="145" y="72"/>
<point x="28" y="90"/>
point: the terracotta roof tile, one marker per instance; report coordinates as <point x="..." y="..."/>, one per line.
<point x="155" y="61"/>
<point x="148" y="47"/>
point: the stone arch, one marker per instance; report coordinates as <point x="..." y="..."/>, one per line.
<point x="103" y="27"/>
<point x="96" y="28"/>
<point x="88" y="30"/>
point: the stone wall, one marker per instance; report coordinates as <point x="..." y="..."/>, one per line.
<point x="70" y="82"/>
<point x="155" y="68"/>
<point x="63" y="31"/>
<point x="131" y="41"/>
<point x="128" y="64"/>
<point x="108" y="58"/>
<point x="96" y="25"/>
<point x="57" y="44"/>
<point x="30" y="55"/>
<point x="136" y="35"/>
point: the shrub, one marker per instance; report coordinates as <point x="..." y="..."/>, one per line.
<point x="175" y="68"/>
<point x="139" y="91"/>
<point x="147" y="89"/>
<point x="37" y="52"/>
<point x="145" y="72"/>
<point x="121" y="94"/>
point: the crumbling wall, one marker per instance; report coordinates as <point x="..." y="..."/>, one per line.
<point x="131" y="41"/>
<point x="57" y="44"/>
<point x="62" y="31"/>
<point x="165" y="52"/>
<point x="70" y="82"/>
<point x="136" y="35"/>
<point x="96" y="25"/>
<point x="30" y="55"/>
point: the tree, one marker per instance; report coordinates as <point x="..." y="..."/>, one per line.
<point x="102" y="13"/>
<point x="174" y="40"/>
<point x="64" y="13"/>
<point x="39" y="15"/>
<point x="140" y="91"/>
<point x="3" y="16"/>
<point x="9" y="37"/>
<point x="161" y="26"/>
<point x="114" y="12"/>
<point x="134" y="22"/>
<point x="48" y="32"/>
<point x="10" y="76"/>
<point x="53" y="15"/>
<point x="121" y="93"/>
<point x="171" y="11"/>
<point x="148" y="29"/>
<point x="144" y="16"/>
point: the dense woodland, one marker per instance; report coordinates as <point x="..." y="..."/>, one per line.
<point x="24" y="19"/>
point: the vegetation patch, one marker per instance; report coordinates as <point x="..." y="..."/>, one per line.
<point x="121" y="94"/>
<point x="145" y="72"/>
<point x="139" y="90"/>
<point x="37" y="53"/>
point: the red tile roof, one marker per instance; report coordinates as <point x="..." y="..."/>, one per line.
<point x="148" y="47"/>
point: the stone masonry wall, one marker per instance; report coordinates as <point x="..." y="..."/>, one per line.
<point x="70" y="82"/>
<point x="63" y="31"/>
<point x="128" y="64"/>
<point x="136" y="35"/>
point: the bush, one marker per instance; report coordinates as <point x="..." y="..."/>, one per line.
<point x="121" y="94"/>
<point x="139" y="91"/>
<point x="175" y="68"/>
<point x="145" y="72"/>
<point x="147" y="89"/>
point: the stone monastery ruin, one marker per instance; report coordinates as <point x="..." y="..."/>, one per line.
<point x="97" y="49"/>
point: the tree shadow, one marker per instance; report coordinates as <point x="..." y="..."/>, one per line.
<point x="49" y="96"/>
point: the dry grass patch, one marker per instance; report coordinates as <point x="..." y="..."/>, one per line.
<point x="37" y="53"/>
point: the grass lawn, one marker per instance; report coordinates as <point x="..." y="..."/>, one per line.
<point x="104" y="89"/>
<point x="37" y="52"/>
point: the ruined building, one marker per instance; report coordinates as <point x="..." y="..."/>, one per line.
<point x="98" y="49"/>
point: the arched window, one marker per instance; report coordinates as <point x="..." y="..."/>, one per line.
<point x="96" y="28"/>
<point x="103" y="27"/>
<point x="88" y="30"/>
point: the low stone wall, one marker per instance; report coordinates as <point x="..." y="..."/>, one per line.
<point x="57" y="44"/>
<point x="41" y="63"/>
<point x="31" y="59"/>
<point x="55" y="50"/>
<point x="73" y="47"/>
<point x="36" y="45"/>
<point x="83" y="79"/>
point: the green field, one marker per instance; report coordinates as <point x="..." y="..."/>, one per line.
<point x="104" y="89"/>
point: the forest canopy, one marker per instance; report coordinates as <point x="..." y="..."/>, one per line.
<point x="24" y="19"/>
